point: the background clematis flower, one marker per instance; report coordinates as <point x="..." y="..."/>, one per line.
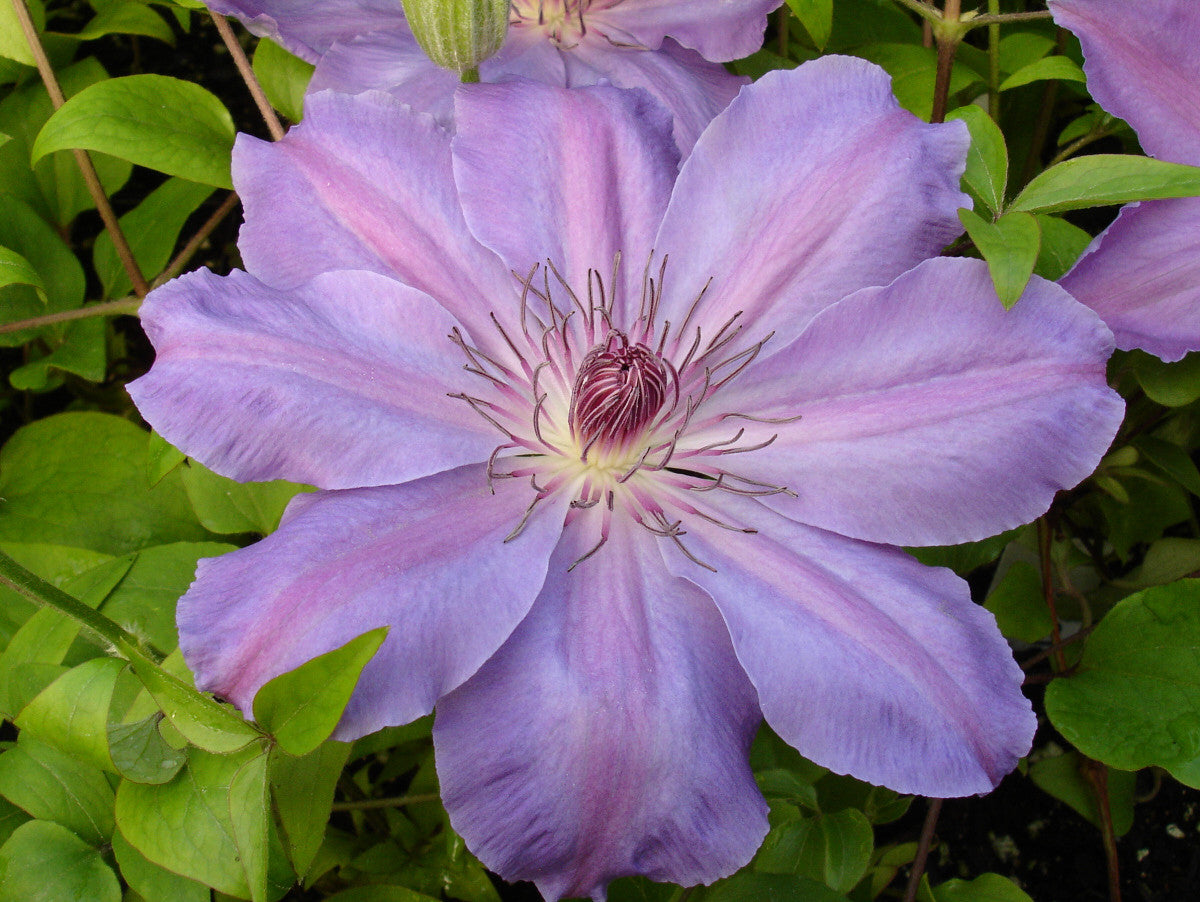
<point x="619" y="449"/>
<point x="1143" y="273"/>
<point x="671" y="48"/>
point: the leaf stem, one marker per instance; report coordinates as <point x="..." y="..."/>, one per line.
<point x="994" y="63"/>
<point x="109" y="308"/>
<point x="90" y="178"/>
<point x="392" y="802"/>
<point x="1045" y="536"/>
<point x="947" y="47"/>
<point x="99" y="628"/>
<point x="1004" y="18"/>
<point x="923" y="846"/>
<point x="922" y="9"/>
<point x="247" y="72"/>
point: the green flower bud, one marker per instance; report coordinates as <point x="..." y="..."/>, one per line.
<point x="458" y="34"/>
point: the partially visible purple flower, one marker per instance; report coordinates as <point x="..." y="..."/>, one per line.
<point x="631" y="504"/>
<point x="671" y="48"/>
<point x="1142" y="274"/>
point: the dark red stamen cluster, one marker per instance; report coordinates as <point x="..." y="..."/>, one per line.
<point x="619" y="388"/>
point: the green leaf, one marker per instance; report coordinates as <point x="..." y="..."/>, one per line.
<point x="1048" y="68"/>
<point x="140" y="754"/>
<point x="378" y="892"/>
<point x="46" y="862"/>
<point x="1169" y="384"/>
<point x="1134" y="700"/>
<point x="15" y="270"/>
<point x="751" y="886"/>
<point x="54" y="563"/>
<point x="1172" y="460"/>
<point x="284" y="77"/>
<point x="127" y="18"/>
<point x="1019" y="605"/>
<point x="913" y="69"/>
<point x="162" y="123"/>
<point x="204" y="721"/>
<point x="24" y="232"/>
<point x="53" y="786"/>
<point x="30" y="662"/>
<point x="80" y="479"/>
<point x="152" y="229"/>
<point x="150" y="881"/>
<point x="834" y="849"/>
<point x="71" y="714"/>
<point x="984" y="888"/>
<point x="161" y="458"/>
<point x="1019" y="49"/>
<point x="1010" y="247"/>
<point x="300" y="708"/>
<point x="54" y="188"/>
<point x="185" y="825"/>
<point x="986" y="175"/>
<point x="1062" y="776"/>
<point x="1101" y="179"/>
<point x="1167" y="559"/>
<point x="228" y="507"/>
<point x="303" y="792"/>
<point x="144" y="601"/>
<point x="13" y="44"/>
<point x="964" y="558"/>
<point x="1062" y="244"/>
<point x="817" y="18"/>
<point x="81" y="350"/>
<point x="249" y="820"/>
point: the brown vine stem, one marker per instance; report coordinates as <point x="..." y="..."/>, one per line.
<point x="175" y="267"/>
<point x="923" y="847"/>
<point x="111" y="308"/>
<point x="90" y="178"/>
<point x="1097" y="776"/>
<point x="248" y="76"/>
<point x="947" y="47"/>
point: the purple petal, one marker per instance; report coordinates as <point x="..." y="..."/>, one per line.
<point x="364" y="183"/>
<point x="929" y="415"/>
<point x="866" y="661"/>
<point x="340" y="383"/>
<point x="570" y="176"/>
<point x="721" y="31"/>
<point x="609" y="735"/>
<point x="1143" y="276"/>
<point x="1142" y="65"/>
<point x="840" y="189"/>
<point x="307" y="29"/>
<point x="428" y="558"/>
<point x="389" y="61"/>
<point x="693" y="89"/>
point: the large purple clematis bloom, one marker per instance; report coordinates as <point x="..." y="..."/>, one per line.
<point x="626" y="509"/>
<point x="671" y="48"/>
<point x="1143" y="273"/>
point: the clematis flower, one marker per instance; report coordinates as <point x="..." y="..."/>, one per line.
<point x="619" y="450"/>
<point x="671" y="48"/>
<point x="1142" y="274"/>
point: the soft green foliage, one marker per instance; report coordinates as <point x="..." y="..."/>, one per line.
<point x="1010" y="247"/>
<point x="300" y="708"/>
<point x="1105" y="179"/>
<point x="163" y="123"/>
<point x="1135" y="699"/>
<point x="45" y="862"/>
<point x="284" y="78"/>
<point x="986" y="177"/>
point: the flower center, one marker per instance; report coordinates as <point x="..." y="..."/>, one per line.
<point x="561" y="20"/>
<point x="619" y="389"/>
